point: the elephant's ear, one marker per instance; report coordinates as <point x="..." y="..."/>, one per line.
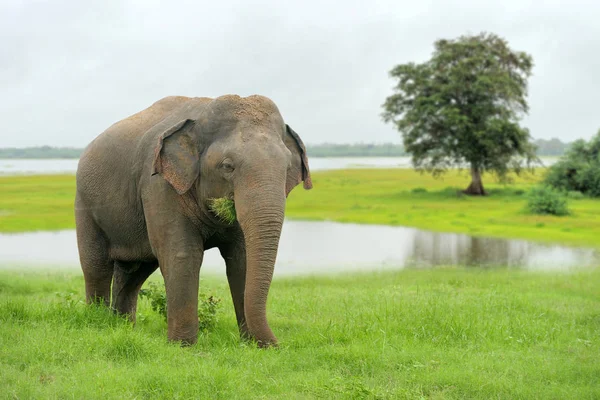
<point x="299" y="170"/>
<point x="177" y="156"/>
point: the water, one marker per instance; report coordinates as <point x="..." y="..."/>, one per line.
<point x="37" y="166"/>
<point x="327" y="247"/>
<point x="69" y="166"/>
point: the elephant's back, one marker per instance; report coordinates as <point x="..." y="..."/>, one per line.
<point x="107" y="166"/>
<point x="134" y="126"/>
<point x="118" y="142"/>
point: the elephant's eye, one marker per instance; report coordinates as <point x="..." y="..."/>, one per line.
<point x="227" y="165"/>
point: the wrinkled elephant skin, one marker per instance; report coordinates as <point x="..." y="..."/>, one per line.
<point x="144" y="189"/>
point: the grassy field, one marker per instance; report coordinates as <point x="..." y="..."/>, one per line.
<point x="29" y="203"/>
<point x="445" y="334"/>
<point x="391" y="197"/>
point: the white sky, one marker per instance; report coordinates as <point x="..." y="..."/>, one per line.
<point x="69" y="69"/>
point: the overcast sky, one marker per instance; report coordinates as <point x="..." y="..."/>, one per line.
<point x="69" y="69"/>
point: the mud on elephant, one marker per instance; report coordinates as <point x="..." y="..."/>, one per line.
<point x="144" y="190"/>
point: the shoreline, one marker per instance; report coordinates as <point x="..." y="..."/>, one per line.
<point x="389" y="197"/>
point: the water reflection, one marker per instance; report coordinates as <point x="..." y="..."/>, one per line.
<point x="328" y="247"/>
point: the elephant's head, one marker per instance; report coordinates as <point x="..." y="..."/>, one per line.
<point x="239" y="148"/>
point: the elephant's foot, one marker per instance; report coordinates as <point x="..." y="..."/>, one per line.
<point x="247" y="337"/>
<point x="185" y="332"/>
<point x="184" y="342"/>
<point x="267" y="344"/>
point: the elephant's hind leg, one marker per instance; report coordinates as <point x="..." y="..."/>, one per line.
<point x="94" y="257"/>
<point x="127" y="281"/>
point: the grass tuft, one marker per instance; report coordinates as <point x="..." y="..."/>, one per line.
<point x="223" y="208"/>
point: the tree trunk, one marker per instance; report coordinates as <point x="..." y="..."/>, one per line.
<point x="476" y="186"/>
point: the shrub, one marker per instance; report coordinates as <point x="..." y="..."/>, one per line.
<point x="207" y="305"/>
<point x="419" y="190"/>
<point x="546" y="200"/>
<point x="588" y="179"/>
<point x="158" y="298"/>
<point x="450" y="191"/>
<point x="575" y="195"/>
<point x="207" y="312"/>
<point x="579" y="169"/>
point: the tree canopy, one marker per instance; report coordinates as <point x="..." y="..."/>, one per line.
<point x="462" y="108"/>
<point x="578" y="169"/>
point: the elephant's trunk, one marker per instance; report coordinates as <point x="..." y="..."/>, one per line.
<point x="260" y="207"/>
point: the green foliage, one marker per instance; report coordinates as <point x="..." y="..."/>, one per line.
<point x="451" y="333"/>
<point x="579" y="169"/>
<point x="462" y="107"/>
<point x="575" y="195"/>
<point x="418" y="190"/>
<point x="546" y="200"/>
<point x="207" y="305"/>
<point x="224" y="208"/>
<point x="207" y="312"/>
<point x="157" y="296"/>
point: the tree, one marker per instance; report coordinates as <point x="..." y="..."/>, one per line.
<point x="462" y="108"/>
<point x="578" y="169"/>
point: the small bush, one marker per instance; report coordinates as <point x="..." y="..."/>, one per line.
<point x="575" y="195"/>
<point x="207" y="305"/>
<point x="158" y="298"/>
<point x="579" y="169"/>
<point x="207" y="312"/>
<point x="450" y="191"/>
<point x="546" y="200"/>
<point x="519" y="192"/>
<point x="419" y="190"/>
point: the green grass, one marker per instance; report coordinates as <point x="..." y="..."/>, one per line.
<point x="404" y="197"/>
<point x="224" y="208"/>
<point x="390" y="197"/>
<point x="29" y="203"/>
<point x="444" y="334"/>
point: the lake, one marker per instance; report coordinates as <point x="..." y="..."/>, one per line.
<point x="69" y="166"/>
<point x="308" y="248"/>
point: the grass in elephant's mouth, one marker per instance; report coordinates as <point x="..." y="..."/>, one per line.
<point x="224" y="208"/>
<point x="444" y="334"/>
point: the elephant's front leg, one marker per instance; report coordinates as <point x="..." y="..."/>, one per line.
<point x="181" y="272"/>
<point x="234" y="254"/>
<point x="179" y="249"/>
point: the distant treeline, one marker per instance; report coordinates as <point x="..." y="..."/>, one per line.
<point x="355" y="150"/>
<point x="40" y="152"/>
<point x="552" y="147"/>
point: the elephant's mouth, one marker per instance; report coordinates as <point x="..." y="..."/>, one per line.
<point x="223" y="208"/>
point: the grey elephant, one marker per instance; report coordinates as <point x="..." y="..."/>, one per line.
<point x="143" y="196"/>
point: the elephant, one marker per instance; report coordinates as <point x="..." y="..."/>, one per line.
<point x="143" y="192"/>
